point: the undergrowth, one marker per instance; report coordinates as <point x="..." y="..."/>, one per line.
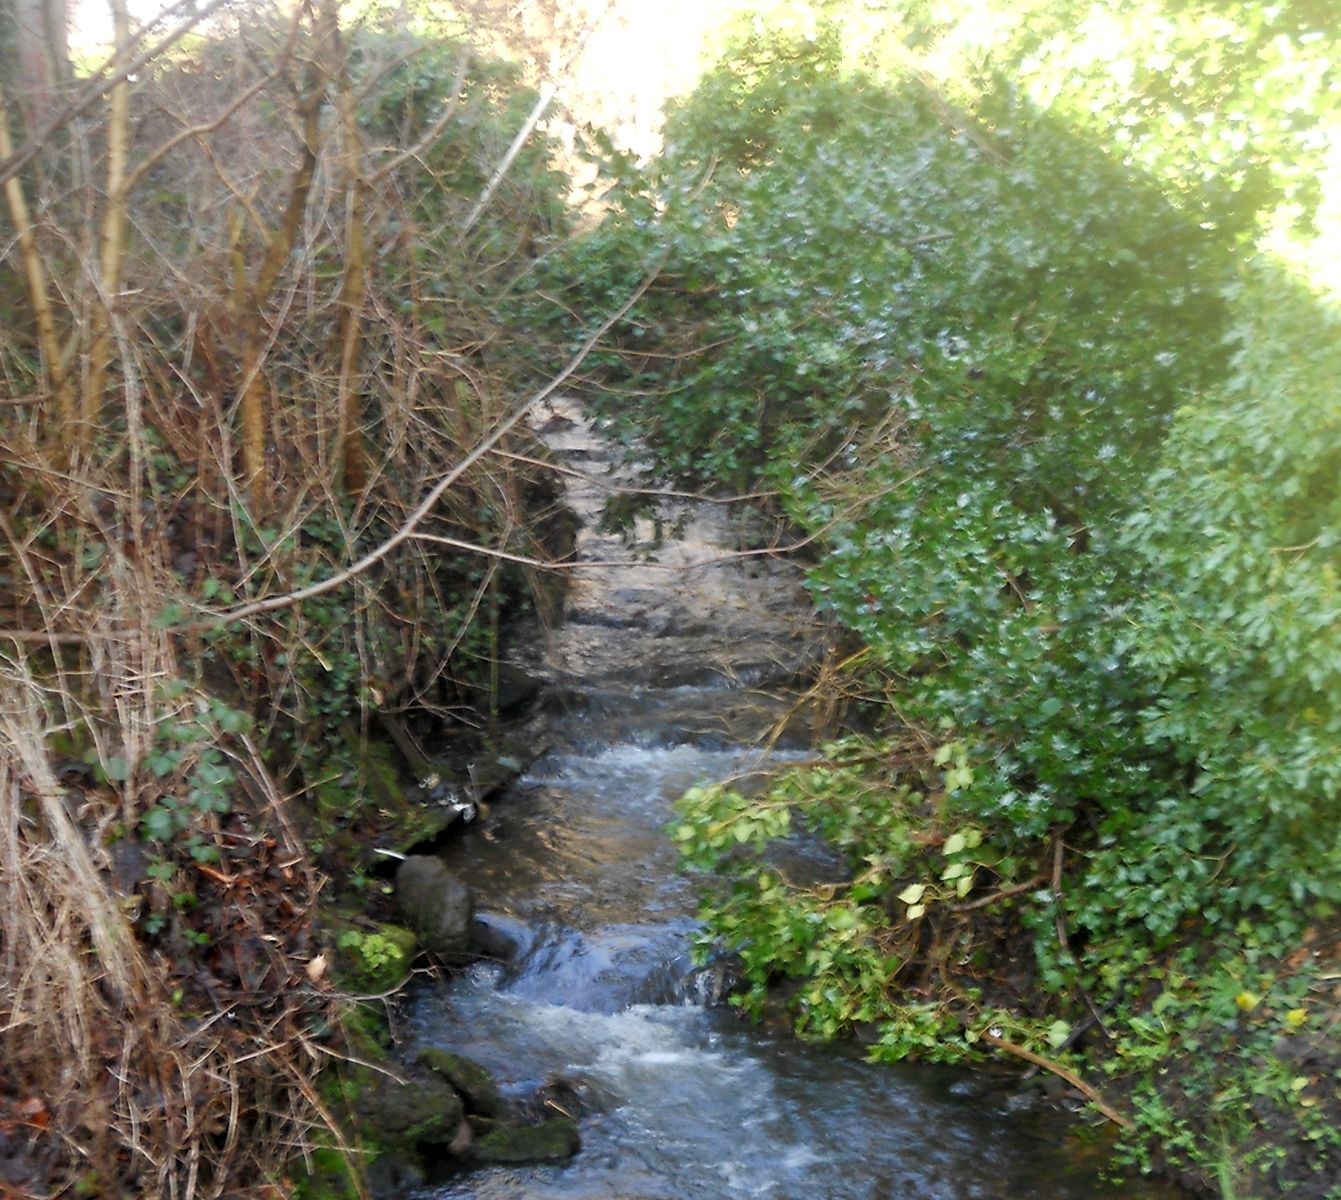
<point x="249" y="331"/>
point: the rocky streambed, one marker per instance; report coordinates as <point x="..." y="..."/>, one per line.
<point x="578" y="1017"/>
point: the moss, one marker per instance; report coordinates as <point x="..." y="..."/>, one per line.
<point x="551" y="1141"/>
<point x="331" y="1176"/>
<point x="369" y="1029"/>
<point x="334" y="799"/>
<point x="476" y="1085"/>
<point x="401" y="1116"/>
<point x="369" y="790"/>
<point x="378" y="767"/>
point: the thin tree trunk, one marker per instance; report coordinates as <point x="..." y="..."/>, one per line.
<point x="352" y="454"/>
<point x="111" y="257"/>
<point x="251" y="303"/>
<point x="57" y="379"/>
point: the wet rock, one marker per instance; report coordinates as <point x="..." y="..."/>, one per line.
<point x="490" y="773"/>
<point x="604" y="619"/>
<point x="464" y="1139"/>
<point x="548" y="1142"/>
<point x="684" y="625"/>
<point x="562" y="1096"/>
<point x="1022" y="1101"/>
<point x="403" y="1116"/>
<point x="637" y="596"/>
<point x="437" y="905"/>
<point x="714" y="983"/>
<point x="490" y="940"/>
<point x="690" y="675"/>
<point x="393" y="1176"/>
<point x="516" y="688"/>
<point x="476" y="1086"/>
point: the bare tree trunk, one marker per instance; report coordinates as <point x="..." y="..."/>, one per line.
<point x="57" y="379"/>
<point x="351" y="452"/>
<point x="250" y="302"/>
<point x="112" y="250"/>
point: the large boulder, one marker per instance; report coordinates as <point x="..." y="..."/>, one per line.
<point x="437" y="905"/>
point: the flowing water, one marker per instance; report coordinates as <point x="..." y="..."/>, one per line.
<point x="664" y="676"/>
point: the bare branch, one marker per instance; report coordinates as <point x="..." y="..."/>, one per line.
<point x="547" y="90"/>
<point x="547" y="93"/>
<point x="434" y="131"/>
<point x="14" y="161"/>
<point x="406" y="531"/>
<point x="195" y="131"/>
<point x="1061" y="1072"/>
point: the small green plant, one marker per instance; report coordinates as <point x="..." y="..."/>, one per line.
<point x="186" y="757"/>
<point x="378" y="960"/>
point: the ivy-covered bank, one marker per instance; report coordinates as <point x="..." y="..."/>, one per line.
<point x="1063" y="443"/>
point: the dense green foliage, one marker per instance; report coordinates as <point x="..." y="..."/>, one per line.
<point x="1070" y="460"/>
<point x="1239" y="625"/>
<point x="1231" y="104"/>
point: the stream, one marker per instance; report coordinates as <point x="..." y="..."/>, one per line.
<point x="665" y="674"/>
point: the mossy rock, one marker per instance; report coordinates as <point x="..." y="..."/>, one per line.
<point x="399" y="1117"/>
<point x="374" y="790"/>
<point x="550" y="1141"/>
<point x="478" y="1088"/>
<point x="331" y="1177"/>
<point x="364" y="956"/>
<point x="374" y="961"/>
<point x="367" y="1025"/>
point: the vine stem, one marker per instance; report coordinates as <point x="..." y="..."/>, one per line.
<point x="1061" y="1072"/>
<point x="1004" y="894"/>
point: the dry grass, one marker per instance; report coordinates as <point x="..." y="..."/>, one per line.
<point x="153" y="1072"/>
